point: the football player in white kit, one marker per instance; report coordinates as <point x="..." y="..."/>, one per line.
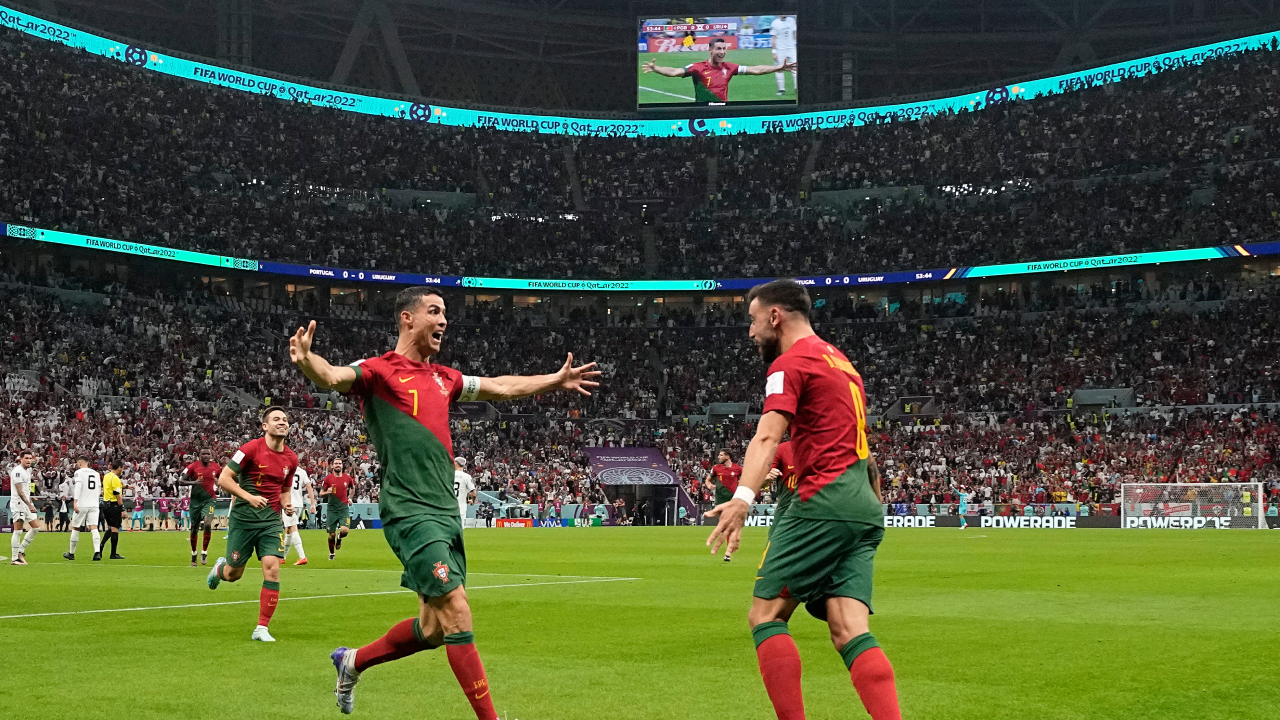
<point x="22" y="510"/>
<point x="783" y="30"/>
<point x="86" y="492"/>
<point x="301" y="484"/>
<point x="463" y="486"/>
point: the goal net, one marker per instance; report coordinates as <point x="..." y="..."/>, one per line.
<point x="1193" y="506"/>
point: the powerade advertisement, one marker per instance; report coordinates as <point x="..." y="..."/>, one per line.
<point x="717" y="61"/>
<point x="153" y="59"/>
<point x="58" y="237"/>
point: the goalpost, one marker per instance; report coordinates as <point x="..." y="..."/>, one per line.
<point x="1192" y="506"/>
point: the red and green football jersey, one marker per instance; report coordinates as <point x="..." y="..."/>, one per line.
<point x="206" y="491"/>
<point x="341" y="486"/>
<point x="711" y="82"/>
<point x="817" y="385"/>
<point x="261" y="471"/>
<point x="406" y="410"/>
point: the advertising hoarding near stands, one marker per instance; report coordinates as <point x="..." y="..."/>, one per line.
<point x="57" y="237"/>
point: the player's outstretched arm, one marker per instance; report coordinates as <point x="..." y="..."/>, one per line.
<point x="767" y="69"/>
<point x="755" y="469"/>
<point x="316" y="368"/>
<point x="227" y="481"/>
<point x="653" y="67"/>
<point x="514" y="387"/>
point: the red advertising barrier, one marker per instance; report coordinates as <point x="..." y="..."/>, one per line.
<point x="676" y="44"/>
<point x="514" y="522"/>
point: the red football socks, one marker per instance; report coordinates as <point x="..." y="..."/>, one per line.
<point x="780" y="667"/>
<point x="193" y="543"/>
<point x="872" y="677"/>
<point x="466" y="665"/>
<point x="267" y="600"/>
<point x="330" y="544"/>
<point x="402" y="640"/>
<point x="207" y="534"/>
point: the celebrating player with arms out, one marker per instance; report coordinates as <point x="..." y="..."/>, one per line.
<point x="336" y="488"/>
<point x="266" y="465"/>
<point x="723" y="481"/>
<point x="711" y="76"/>
<point x="405" y="401"/>
<point x="821" y="548"/>
<point x="201" y="475"/>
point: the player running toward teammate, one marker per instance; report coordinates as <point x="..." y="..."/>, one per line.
<point x="711" y="76"/>
<point x="202" y="477"/>
<point x="821" y="549"/>
<point x="723" y="481"/>
<point x="463" y="486"/>
<point x="336" y="489"/>
<point x="301" y="494"/>
<point x="22" y="509"/>
<point x="86" y="493"/>
<point x="405" y="401"/>
<point x="265" y="464"/>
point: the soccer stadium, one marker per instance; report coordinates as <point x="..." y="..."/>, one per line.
<point x="882" y="358"/>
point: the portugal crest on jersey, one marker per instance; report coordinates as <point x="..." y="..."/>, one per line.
<point x="235" y="555"/>
<point x="441" y="571"/>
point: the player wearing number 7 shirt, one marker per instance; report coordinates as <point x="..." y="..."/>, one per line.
<point x="821" y="549"/>
<point x="405" y="398"/>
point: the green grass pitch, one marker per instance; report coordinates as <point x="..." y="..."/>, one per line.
<point x="655" y="88"/>
<point x="978" y="623"/>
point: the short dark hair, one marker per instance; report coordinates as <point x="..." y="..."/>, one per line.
<point x="83" y="457"/>
<point x="408" y="298"/>
<point x="786" y="294"/>
<point x="712" y="42"/>
<point x="115" y="464"/>
<point x="272" y="408"/>
<point x="726" y="452"/>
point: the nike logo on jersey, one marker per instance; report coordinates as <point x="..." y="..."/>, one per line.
<point x="486" y="692"/>
<point x="405" y="380"/>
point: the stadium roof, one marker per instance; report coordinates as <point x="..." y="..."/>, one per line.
<point x="581" y="54"/>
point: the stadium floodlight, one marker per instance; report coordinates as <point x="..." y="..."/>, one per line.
<point x="1193" y="506"/>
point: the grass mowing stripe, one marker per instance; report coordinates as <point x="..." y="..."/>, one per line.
<point x="304" y="597"/>
<point x="664" y="92"/>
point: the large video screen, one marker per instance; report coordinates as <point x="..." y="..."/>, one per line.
<point x="709" y="61"/>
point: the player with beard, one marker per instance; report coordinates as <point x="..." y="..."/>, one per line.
<point x="202" y="477"/>
<point x="821" y="549"/>
<point x="405" y="399"/>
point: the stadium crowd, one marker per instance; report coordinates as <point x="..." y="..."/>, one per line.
<point x="1185" y="157"/>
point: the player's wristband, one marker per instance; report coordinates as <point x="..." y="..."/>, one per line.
<point x="745" y="494"/>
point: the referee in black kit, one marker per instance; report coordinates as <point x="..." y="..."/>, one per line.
<point x="112" y="510"/>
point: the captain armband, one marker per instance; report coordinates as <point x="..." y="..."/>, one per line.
<point x="470" y="388"/>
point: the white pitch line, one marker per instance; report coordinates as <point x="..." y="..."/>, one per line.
<point x="331" y="569"/>
<point x="304" y="597"/>
<point x="664" y="92"/>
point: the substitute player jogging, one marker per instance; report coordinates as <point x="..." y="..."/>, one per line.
<point x="86" y="493"/>
<point x="258" y="476"/>
<point x="821" y="549"/>
<point x="405" y="401"/>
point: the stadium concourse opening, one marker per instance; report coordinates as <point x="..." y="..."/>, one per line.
<point x="607" y="389"/>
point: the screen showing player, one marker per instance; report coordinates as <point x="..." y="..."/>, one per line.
<point x="710" y="61"/>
